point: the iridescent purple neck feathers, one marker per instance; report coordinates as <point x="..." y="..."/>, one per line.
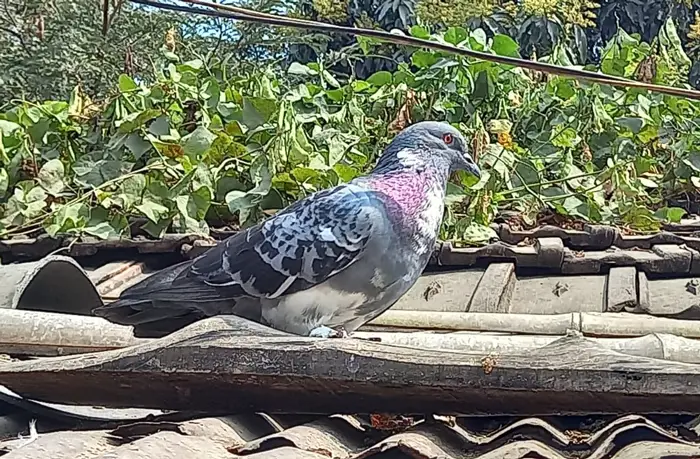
<point x="408" y="189"/>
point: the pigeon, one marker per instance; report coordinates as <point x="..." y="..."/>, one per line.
<point x="323" y="266"/>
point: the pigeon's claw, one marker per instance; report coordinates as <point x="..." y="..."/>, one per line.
<point x="327" y="332"/>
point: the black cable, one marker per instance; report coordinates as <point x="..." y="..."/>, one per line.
<point x="237" y="13"/>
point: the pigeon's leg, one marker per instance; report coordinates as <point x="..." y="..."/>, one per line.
<point x="338" y="332"/>
<point x="327" y="332"/>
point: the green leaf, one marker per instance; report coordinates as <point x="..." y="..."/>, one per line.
<point x="693" y="160"/>
<point x="647" y="183"/>
<point x="51" y="177"/>
<point x="365" y="43"/>
<point x="336" y="150"/>
<point x="360" y="85"/>
<point x="303" y="174"/>
<point x="197" y="143"/>
<point x="336" y="95"/>
<point x="482" y="182"/>
<point x="257" y="111"/>
<point x="633" y="124"/>
<point x="381" y="78"/>
<point x="345" y="172"/>
<point x="101" y="230"/>
<point x="478" y="234"/>
<point x="27" y="202"/>
<point x="454" y="194"/>
<point x="192" y="210"/>
<point x="152" y="210"/>
<point x="131" y="190"/>
<point x="8" y="127"/>
<point x="505" y="46"/>
<point x="479" y="38"/>
<point x="211" y="93"/>
<point x="242" y="200"/>
<point x="670" y="214"/>
<point x="135" y="120"/>
<point x="126" y="83"/>
<point x="91" y="173"/>
<point x="498" y="126"/>
<point x="160" y="126"/>
<point x="419" y="31"/>
<point x="137" y="145"/>
<point x="330" y="79"/>
<point x="191" y="66"/>
<point x="456" y="35"/>
<point x="157" y="230"/>
<point x="671" y="44"/>
<point x="423" y="59"/>
<point x="4" y="181"/>
<point x="171" y="56"/>
<point x="67" y="219"/>
<point x="565" y="138"/>
<point x="300" y="69"/>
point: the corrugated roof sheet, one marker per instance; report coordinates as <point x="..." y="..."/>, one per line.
<point x="344" y="437"/>
<point x="549" y="270"/>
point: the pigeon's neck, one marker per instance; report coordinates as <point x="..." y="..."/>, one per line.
<point x="412" y="191"/>
<point x="415" y="202"/>
<point x="410" y="180"/>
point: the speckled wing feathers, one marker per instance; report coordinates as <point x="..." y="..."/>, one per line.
<point x="302" y="246"/>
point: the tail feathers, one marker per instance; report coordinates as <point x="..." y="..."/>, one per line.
<point x="163" y="327"/>
<point x="158" y="318"/>
<point x="169" y="300"/>
<point x="150" y="319"/>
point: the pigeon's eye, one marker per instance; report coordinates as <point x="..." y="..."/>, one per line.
<point x="447" y="138"/>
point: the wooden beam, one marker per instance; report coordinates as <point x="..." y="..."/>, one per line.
<point x="230" y="364"/>
<point x="606" y="324"/>
<point x="38" y="333"/>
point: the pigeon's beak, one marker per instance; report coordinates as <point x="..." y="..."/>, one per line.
<point x="474" y="169"/>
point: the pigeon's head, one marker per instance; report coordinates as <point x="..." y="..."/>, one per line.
<point x="434" y="140"/>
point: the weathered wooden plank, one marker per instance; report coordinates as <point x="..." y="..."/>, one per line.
<point x="550" y="324"/>
<point x="622" y="289"/>
<point x="39" y="333"/>
<point x="675" y="255"/>
<point x="657" y="346"/>
<point x="674" y="298"/>
<point x="228" y="364"/>
<point x="606" y="324"/>
<point x="110" y="288"/>
<point x="131" y="278"/>
<point x="109" y="270"/>
<point x="446" y="291"/>
<point x="558" y="294"/>
<point x="495" y="290"/>
<point x="644" y="294"/>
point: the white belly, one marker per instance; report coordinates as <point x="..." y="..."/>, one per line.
<point x="319" y="305"/>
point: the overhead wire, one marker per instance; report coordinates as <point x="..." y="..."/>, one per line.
<point x="208" y="8"/>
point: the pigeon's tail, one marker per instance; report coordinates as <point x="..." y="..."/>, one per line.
<point x="166" y="302"/>
<point x="149" y="319"/>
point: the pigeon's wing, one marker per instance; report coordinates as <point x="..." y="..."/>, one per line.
<point x="304" y="245"/>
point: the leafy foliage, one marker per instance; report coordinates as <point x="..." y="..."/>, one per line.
<point x="200" y="146"/>
<point x="48" y="47"/>
<point x="578" y="28"/>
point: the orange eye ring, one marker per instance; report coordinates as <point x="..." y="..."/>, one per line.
<point x="447" y="138"/>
